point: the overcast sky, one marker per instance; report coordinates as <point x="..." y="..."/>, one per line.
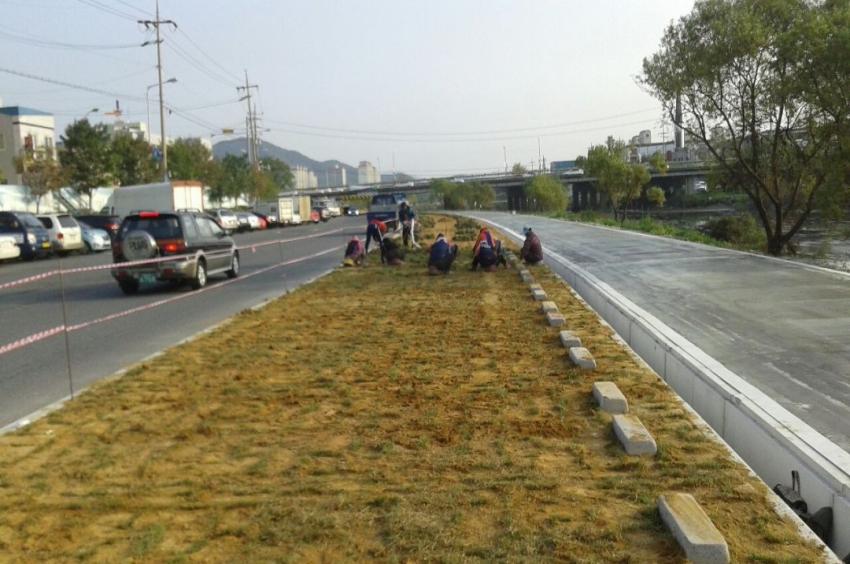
<point x="440" y="86"/>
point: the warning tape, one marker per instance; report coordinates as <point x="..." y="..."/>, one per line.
<point x="42" y="335"/>
<point x="173" y="258"/>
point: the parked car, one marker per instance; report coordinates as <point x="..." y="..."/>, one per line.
<point x="248" y="221"/>
<point x="200" y="248"/>
<point x="9" y="249"/>
<point x="323" y="213"/>
<point x="226" y="219"/>
<point x="65" y="233"/>
<point x="109" y="223"/>
<point x="264" y="223"/>
<point x="95" y="239"/>
<point x="269" y="218"/>
<point x="28" y="232"/>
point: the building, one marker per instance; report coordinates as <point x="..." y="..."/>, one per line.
<point x="135" y="129"/>
<point x="304" y="178"/>
<point x="24" y="131"/>
<point x="333" y="177"/>
<point x="367" y="173"/>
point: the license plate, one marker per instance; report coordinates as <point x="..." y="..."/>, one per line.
<point x="45" y="245"/>
<point x="147" y="278"/>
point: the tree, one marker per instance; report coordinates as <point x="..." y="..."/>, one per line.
<point x="132" y="160"/>
<point x="518" y="169"/>
<point x="758" y="88"/>
<point x="260" y="186"/>
<point x="42" y="176"/>
<point x="279" y="173"/>
<point x="188" y="159"/>
<point x="2" y="177"/>
<point x="659" y="163"/>
<point x="545" y="193"/>
<point x="655" y="197"/>
<point x="619" y="181"/>
<point x="86" y="157"/>
<point x="463" y="196"/>
<point x="234" y="177"/>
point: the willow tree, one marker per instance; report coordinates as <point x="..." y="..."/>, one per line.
<point x="744" y="72"/>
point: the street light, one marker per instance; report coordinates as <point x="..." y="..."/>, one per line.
<point x="148" y="103"/>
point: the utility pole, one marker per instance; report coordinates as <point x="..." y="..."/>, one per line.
<point x="539" y="156"/>
<point x="156" y="24"/>
<point x="251" y="124"/>
<point x="505" y="152"/>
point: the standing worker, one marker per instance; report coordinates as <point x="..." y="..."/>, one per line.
<point x="532" y="250"/>
<point x="441" y="256"/>
<point x="407" y="219"/>
<point x="375" y="231"/>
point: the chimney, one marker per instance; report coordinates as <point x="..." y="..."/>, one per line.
<point x="679" y="134"/>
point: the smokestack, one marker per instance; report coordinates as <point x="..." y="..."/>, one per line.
<point x="679" y="134"/>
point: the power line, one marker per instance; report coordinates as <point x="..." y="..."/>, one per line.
<point x="71" y="85"/>
<point x="198" y="65"/>
<point x="456" y="140"/>
<point x="225" y="72"/>
<point x="38" y="42"/>
<point x="131" y="6"/>
<point x="108" y="9"/>
<point x="463" y="133"/>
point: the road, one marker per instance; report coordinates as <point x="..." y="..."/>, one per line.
<point x="36" y="375"/>
<point x="781" y="326"/>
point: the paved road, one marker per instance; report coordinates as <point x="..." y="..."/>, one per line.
<point x="783" y="327"/>
<point x="35" y="376"/>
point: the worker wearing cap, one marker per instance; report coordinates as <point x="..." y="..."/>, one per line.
<point x="532" y="249"/>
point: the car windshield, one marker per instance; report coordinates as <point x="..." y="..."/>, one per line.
<point x="161" y="227"/>
<point x="67" y="221"/>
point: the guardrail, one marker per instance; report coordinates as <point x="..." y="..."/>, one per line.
<point x="770" y="439"/>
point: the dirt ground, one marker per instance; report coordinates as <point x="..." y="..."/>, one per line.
<point x="377" y="414"/>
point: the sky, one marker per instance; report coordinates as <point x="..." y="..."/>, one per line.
<point x="427" y="87"/>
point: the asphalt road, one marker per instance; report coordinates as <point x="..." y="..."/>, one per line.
<point x="782" y="326"/>
<point x="36" y="375"/>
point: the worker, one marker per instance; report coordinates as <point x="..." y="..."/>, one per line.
<point x="407" y="219"/>
<point x="375" y="231"/>
<point x="532" y="250"/>
<point x="391" y="252"/>
<point x="442" y="255"/>
<point x="354" y="252"/>
<point x="487" y="252"/>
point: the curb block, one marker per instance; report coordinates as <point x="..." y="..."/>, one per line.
<point x="538" y="295"/>
<point x="634" y="437"/>
<point x="555" y="319"/>
<point x="610" y="398"/>
<point x="548" y="306"/>
<point x="569" y="340"/>
<point x="692" y="529"/>
<point x="582" y="358"/>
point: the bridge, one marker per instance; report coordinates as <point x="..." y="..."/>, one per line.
<point x="509" y="188"/>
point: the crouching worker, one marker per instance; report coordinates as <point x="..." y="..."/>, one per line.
<point x="532" y="250"/>
<point x="354" y="252"/>
<point x="487" y="252"/>
<point x="375" y="232"/>
<point x="391" y="252"/>
<point x="442" y="256"/>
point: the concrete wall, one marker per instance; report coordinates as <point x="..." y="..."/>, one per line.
<point x="767" y="436"/>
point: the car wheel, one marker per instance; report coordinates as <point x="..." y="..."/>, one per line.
<point x="129" y="286"/>
<point x="234" y="266"/>
<point x="200" y="279"/>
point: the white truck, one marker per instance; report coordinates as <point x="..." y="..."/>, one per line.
<point x="161" y="196"/>
<point x="285" y="209"/>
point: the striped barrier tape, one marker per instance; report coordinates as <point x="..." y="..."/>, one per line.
<point x="42" y="335"/>
<point x="110" y="266"/>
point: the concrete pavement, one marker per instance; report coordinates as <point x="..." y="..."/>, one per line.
<point x="782" y="326"/>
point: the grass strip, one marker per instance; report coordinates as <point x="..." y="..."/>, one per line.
<point x="377" y="414"/>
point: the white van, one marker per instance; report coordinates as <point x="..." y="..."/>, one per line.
<point x="65" y="233"/>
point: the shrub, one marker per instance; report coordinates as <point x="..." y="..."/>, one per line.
<point x="545" y="193"/>
<point x="736" y="229"/>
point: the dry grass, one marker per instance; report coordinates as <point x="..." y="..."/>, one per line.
<point x="379" y="414"/>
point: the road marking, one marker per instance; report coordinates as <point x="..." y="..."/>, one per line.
<point x="42" y="335"/>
